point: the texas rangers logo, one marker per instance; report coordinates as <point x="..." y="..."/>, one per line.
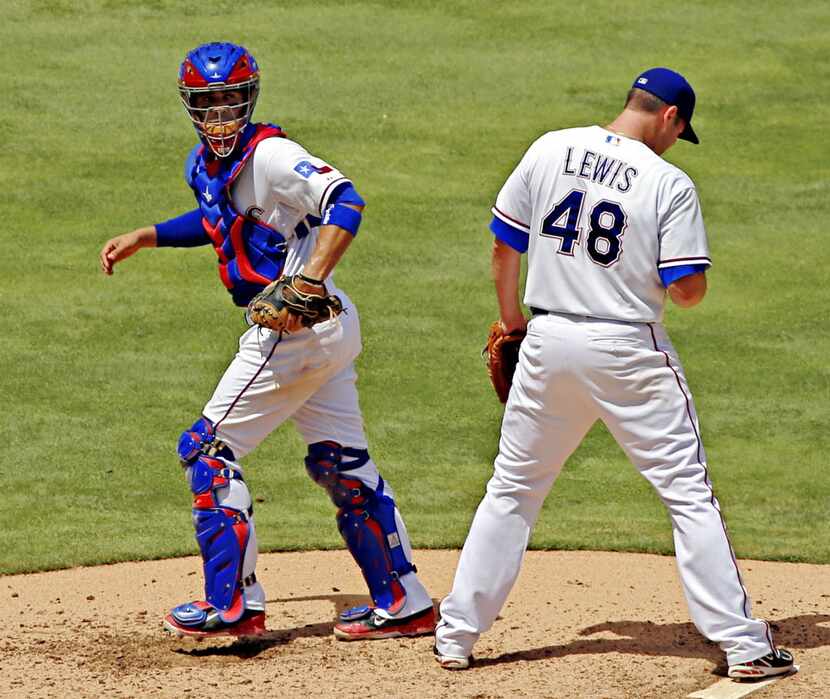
<point x="307" y="169"/>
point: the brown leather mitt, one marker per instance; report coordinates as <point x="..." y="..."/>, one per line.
<point x="502" y="355"/>
<point x="298" y="296"/>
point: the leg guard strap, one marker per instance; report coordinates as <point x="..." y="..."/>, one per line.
<point x="207" y="475"/>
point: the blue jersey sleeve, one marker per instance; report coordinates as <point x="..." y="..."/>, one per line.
<point x="346" y="194"/>
<point x="515" y="238"/>
<point x="185" y="231"/>
<point x="669" y="275"/>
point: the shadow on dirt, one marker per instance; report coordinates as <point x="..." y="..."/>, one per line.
<point x="632" y="637"/>
<point x="251" y="647"/>
<point x="669" y="640"/>
<point x="339" y="601"/>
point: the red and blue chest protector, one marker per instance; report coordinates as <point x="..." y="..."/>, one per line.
<point x="251" y="253"/>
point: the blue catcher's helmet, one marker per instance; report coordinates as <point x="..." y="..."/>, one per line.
<point x="219" y="85"/>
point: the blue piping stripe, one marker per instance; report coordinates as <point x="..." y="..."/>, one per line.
<point x="248" y="385"/>
<point x="705" y="470"/>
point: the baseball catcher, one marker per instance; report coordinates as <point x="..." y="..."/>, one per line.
<point x="279" y="219"/>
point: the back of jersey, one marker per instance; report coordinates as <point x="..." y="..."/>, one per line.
<point x="602" y="214"/>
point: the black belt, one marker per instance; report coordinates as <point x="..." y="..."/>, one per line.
<point x="539" y="311"/>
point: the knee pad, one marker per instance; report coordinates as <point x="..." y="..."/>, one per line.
<point x="222" y="533"/>
<point x="325" y="465"/>
<point x="366" y="520"/>
<point x="200" y="438"/>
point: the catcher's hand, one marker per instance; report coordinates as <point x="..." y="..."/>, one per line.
<point x="291" y="303"/>
<point x="502" y="355"/>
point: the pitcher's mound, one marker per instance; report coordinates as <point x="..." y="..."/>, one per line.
<point x="578" y="624"/>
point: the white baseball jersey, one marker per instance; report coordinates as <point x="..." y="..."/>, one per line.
<point x="600" y="215"/>
<point x="307" y="376"/>
<point x="289" y="189"/>
<point x="603" y="213"/>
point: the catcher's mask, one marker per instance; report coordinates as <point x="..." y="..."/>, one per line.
<point x="219" y="85"/>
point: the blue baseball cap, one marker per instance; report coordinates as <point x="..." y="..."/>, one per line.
<point x="673" y="89"/>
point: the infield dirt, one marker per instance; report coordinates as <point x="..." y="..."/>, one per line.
<point x="578" y="624"/>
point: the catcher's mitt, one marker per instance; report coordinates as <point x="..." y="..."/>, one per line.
<point x="293" y="296"/>
<point x="502" y="355"/>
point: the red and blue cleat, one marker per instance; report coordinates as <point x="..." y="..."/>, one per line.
<point x="368" y="623"/>
<point x="202" y="620"/>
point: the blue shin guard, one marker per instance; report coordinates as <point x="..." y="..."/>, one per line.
<point x="366" y="520"/>
<point x="222" y="532"/>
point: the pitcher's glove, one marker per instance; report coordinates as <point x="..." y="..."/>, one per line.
<point x="289" y="298"/>
<point x="502" y="355"/>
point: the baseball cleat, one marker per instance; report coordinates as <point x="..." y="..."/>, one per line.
<point x="355" y="613"/>
<point x="451" y="662"/>
<point x="374" y="625"/>
<point x="201" y="620"/>
<point x="776" y="663"/>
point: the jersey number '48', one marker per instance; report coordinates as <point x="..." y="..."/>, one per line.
<point x="607" y="225"/>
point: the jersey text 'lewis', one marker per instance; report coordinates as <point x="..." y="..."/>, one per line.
<point x="603" y="169"/>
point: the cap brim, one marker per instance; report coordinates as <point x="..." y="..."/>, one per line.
<point x="689" y="134"/>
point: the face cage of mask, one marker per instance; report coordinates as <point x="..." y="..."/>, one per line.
<point x="220" y="126"/>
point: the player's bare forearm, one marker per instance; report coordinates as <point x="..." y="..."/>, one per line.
<point x="332" y="242"/>
<point x="688" y="291"/>
<point x="506" y="264"/>
<point x="124" y="245"/>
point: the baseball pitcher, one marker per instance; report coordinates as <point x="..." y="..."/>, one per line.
<point x="610" y="229"/>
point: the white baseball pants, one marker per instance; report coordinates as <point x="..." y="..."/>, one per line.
<point x="308" y="377"/>
<point x="574" y="370"/>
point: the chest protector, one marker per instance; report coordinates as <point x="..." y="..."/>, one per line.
<point x="251" y="253"/>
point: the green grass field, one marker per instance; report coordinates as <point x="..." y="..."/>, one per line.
<point x="427" y="106"/>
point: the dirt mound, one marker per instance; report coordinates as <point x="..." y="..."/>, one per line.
<point x="578" y="624"/>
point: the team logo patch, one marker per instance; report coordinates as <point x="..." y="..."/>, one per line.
<point x="642" y="81"/>
<point x="307" y="169"/>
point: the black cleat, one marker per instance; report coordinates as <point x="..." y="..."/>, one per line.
<point x="770" y="665"/>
